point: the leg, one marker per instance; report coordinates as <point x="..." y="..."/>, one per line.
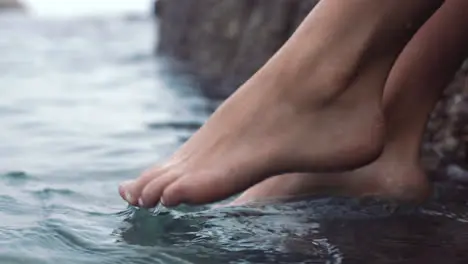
<point x="416" y="81"/>
<point x="315" y="106"/>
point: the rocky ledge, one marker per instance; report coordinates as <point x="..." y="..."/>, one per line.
<point x="226" y="41"/>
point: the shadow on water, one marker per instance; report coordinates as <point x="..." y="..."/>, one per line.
<point x="319" y="230"/>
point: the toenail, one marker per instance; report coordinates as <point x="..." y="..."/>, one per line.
<point x="128" y="197"/>
<point x="140" y="203"/>
<point x="162" y="202"/>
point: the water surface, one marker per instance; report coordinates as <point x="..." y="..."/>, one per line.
<point x="84" y="105"/>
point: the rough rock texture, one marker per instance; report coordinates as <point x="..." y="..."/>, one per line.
<point x="10" y="5"/>
<point x="445" y="143"/>
<point x="226" y="41"/>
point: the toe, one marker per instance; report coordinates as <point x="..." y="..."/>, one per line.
<point x="175" y="194"/>
<point x="124" y="192"/>
<point x="152" y="192"/>
<point x="197" y="192"/>
<point x="131" y="190"/>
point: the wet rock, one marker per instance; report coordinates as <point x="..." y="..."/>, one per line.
<point x="225" y="41"/>
<point x="445" y="141"/>
<point x="157" y="7"/>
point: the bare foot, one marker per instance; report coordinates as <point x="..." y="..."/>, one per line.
<point x="315" y="106"/>
<point x="265" y="129"/>
<point x="389" y="178"/>
<point x="256" y="134"/>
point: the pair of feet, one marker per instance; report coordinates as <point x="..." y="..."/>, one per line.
<point x="225" y="160"/>
<point x="315" y="107"/>
<point x="264" y="130"/>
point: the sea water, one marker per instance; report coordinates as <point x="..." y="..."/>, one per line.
<point x="85" y="104"/>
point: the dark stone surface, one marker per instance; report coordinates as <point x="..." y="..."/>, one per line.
<point x="225" y="41"/>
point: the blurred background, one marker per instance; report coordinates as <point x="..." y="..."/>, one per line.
<point x="77" y="75"/>
<point x="92" y="92"/>
<point x="85" y="7"/>
<point x="84" y="105"/>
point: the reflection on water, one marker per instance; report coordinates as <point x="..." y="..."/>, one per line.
<point x="84" y="105"/>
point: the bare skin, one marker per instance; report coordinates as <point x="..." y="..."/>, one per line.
<point x="314" y="107"/>
<point x="421" y="72"/>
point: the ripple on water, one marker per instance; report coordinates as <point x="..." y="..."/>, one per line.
<point x="56" y="241"/>
<point x="16" y="176"/>
<point x="323" y="230"/>
<point x="15" y="213"/>
<point x="47" y="193"/>
<point x="7" y="111"/>
<point x="239" y="235"/>
<point x="181" y="125"/>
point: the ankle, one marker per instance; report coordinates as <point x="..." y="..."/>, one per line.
<point x="402" y="149"/>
